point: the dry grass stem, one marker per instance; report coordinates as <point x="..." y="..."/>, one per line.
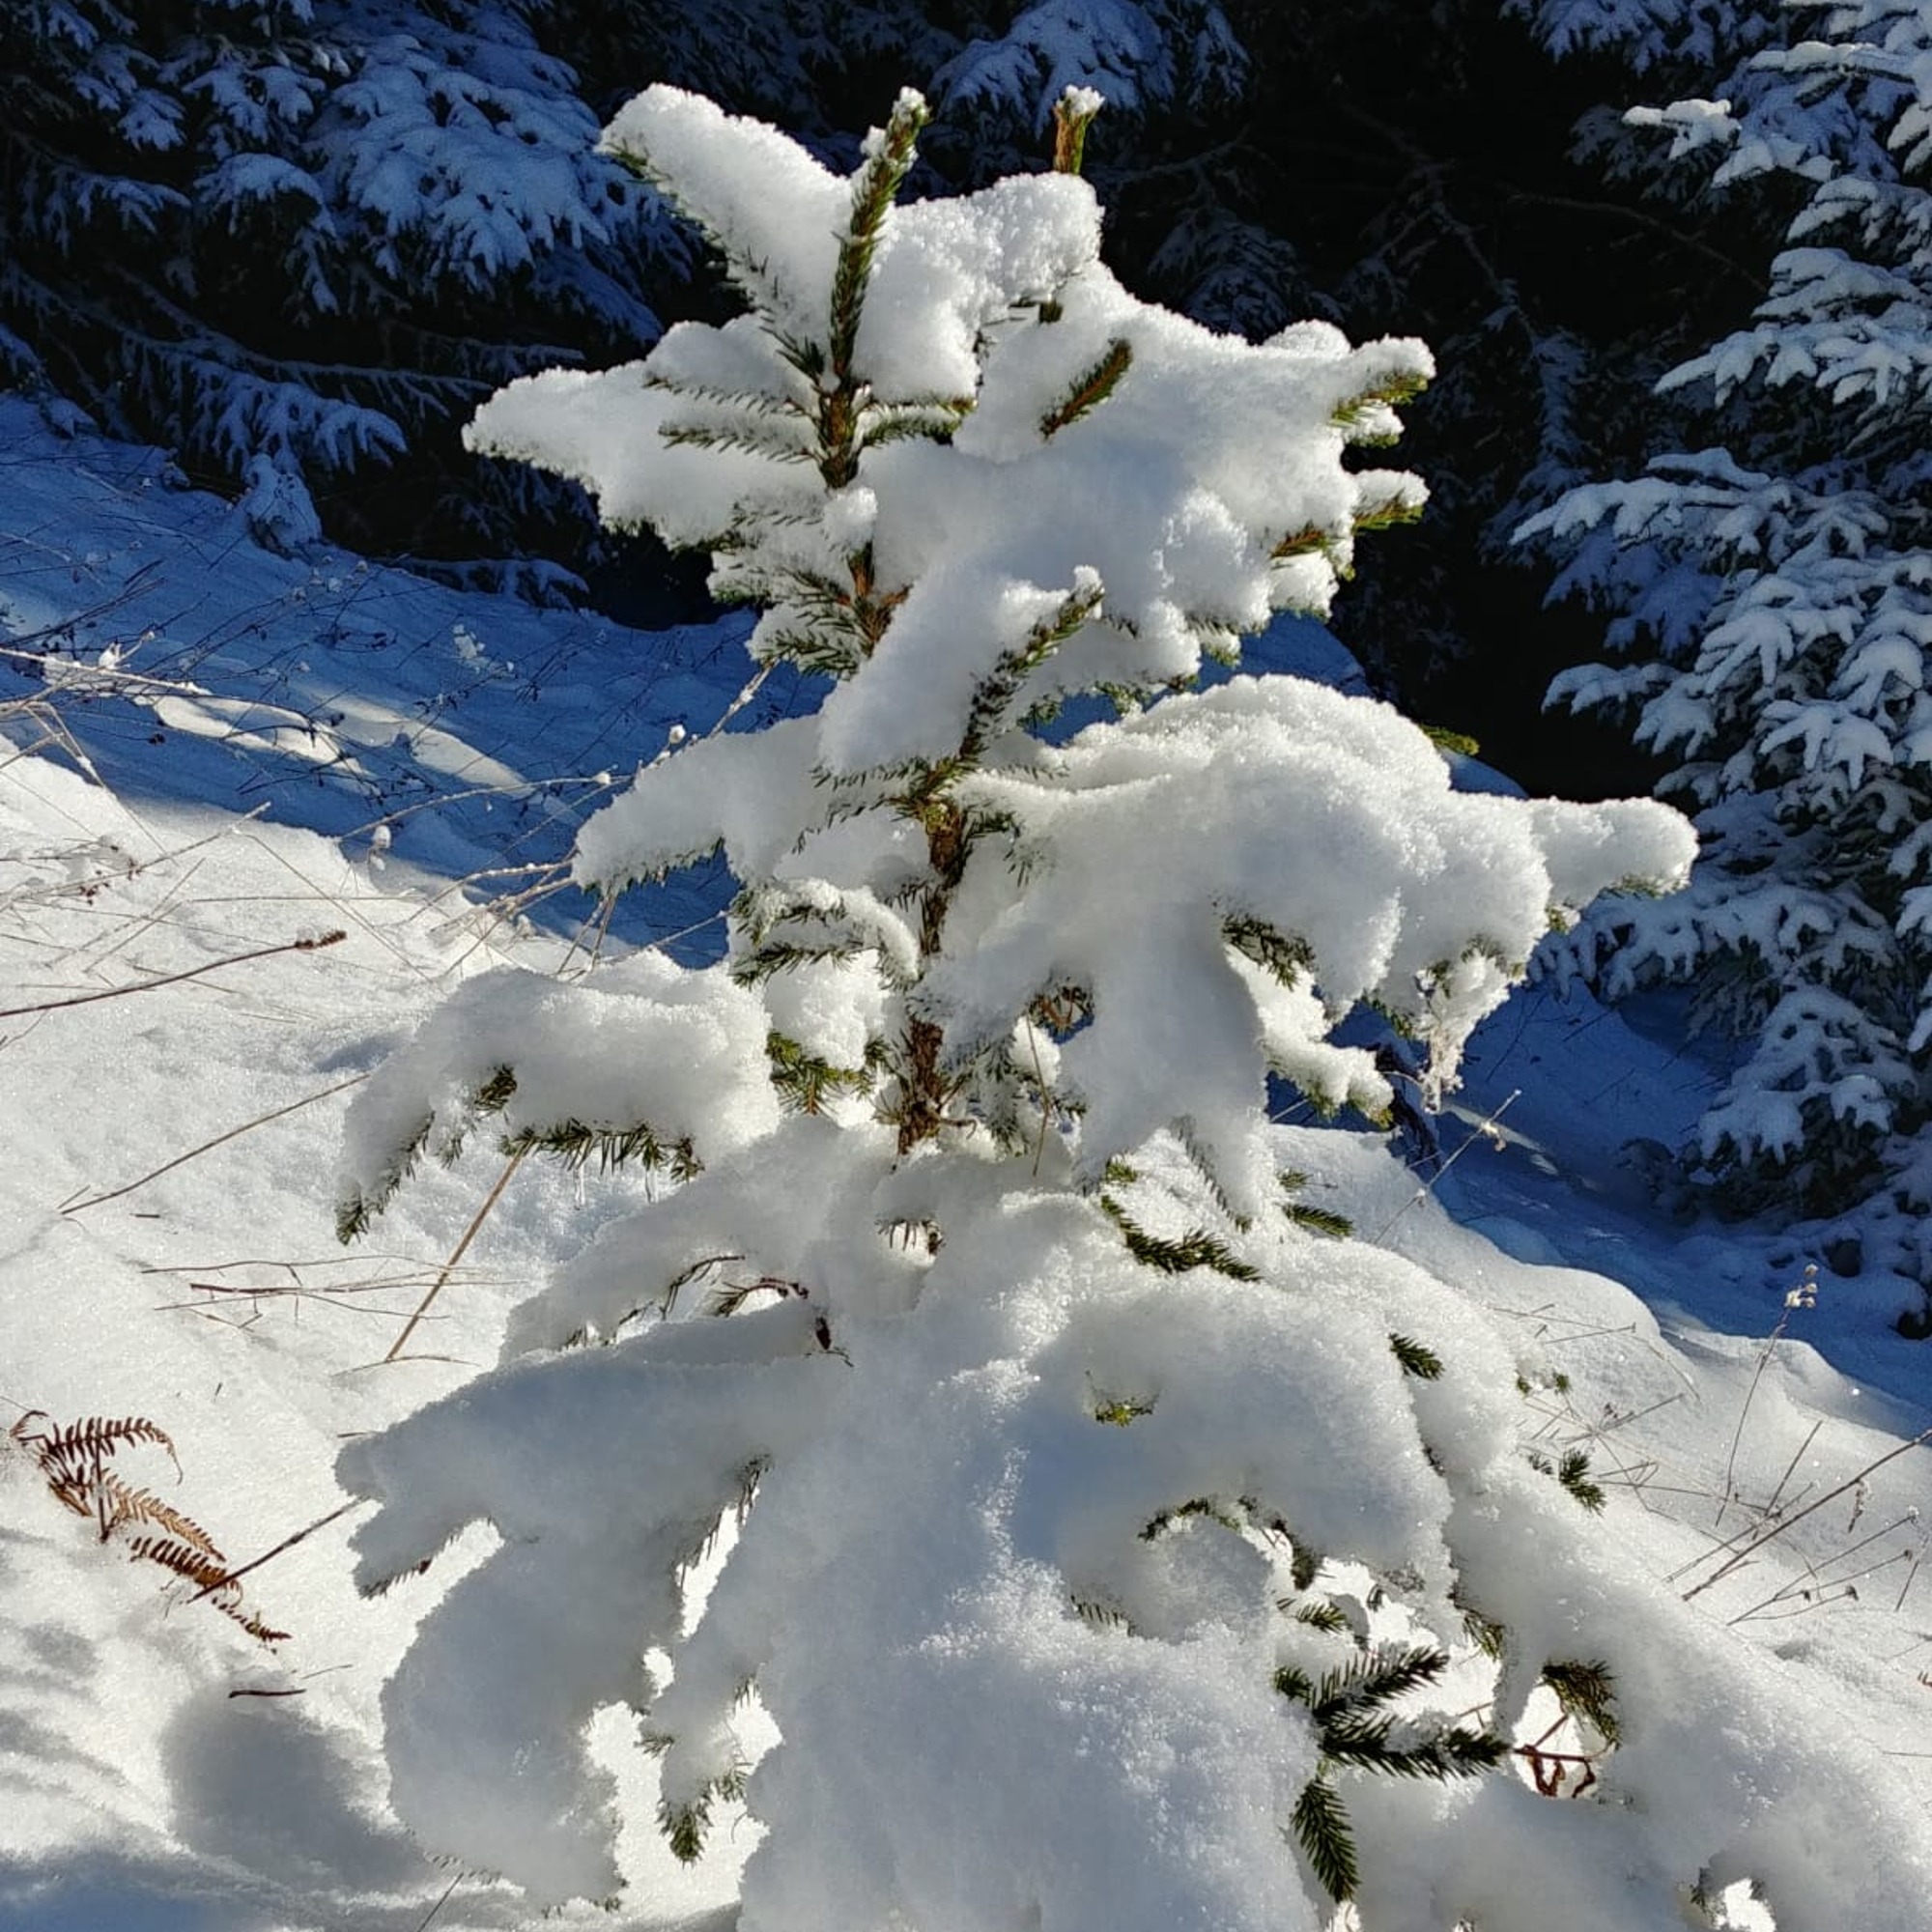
<point x="1485" y="1128"/>
<point x="175" y="978"/>
<point x="287" y="1543"/>
<point x="220" y="1139"/>
<point x="457" y="1253"/>
<point x="1805" y="1295"/>
<point x="1742" y="1553"/>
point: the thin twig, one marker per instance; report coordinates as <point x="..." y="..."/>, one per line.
<point x="296" y="1291"/>
<point x="287" y="1543"/>
<point x="1796" y="1300"/>
<point x="457" y="1253"/>
<point x="175" y="978"/>
<point x="1776" y="1530"/>
<point x="1797" y="1455"/>
<point x="17" y="644"/>
<point x="1816" y="1587"/>
<point x="750" y="691"/>
<point x="422" y="1924"/>
<point x="1769" y="1513"/>
<point x="1483" y="1130"/>
<point x="1582" y="1334"/>
<point x="232" y="1133"/>
<point x="1639" y="218"/>
<point x="1039" y="1080"/>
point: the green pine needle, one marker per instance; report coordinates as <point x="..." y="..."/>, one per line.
<point x="805" y="1082"/>
<point x="1573" y="1471"/>
<point x="684" y="1827"/>
<point x="766" y="962"/>
<point x="1485" y="1632"/>
<point x="576" y="1143"/>
<point x="1090" y="391"/>
<point x="357" y="1213"/>
<point x="1309" y="541"/>
<point x="993" y="701"/>
<point x="1417" y="1359"/>
<point x="1323" y="1617"/>
<point x="1376" y="1677"/>
<point x="774" y="447"/>
<point x="1322" y="1831"/>
<point x="1319" y="1220"/>
<point x="874" y="189"/>
<point x="1364" y="1744"/>
<point x="496" y="1092"/>
<point x="1195" y="1249"/>
<point x="1387" y="514"/>
<point x="1445" y="740"/>
<point x="1206" y="1506"/>
<point x="1390" y="394"/>
<point x="1291" y="1681"/>
<point x="1586" y="1688"/>
<point x="1278" y="953"/>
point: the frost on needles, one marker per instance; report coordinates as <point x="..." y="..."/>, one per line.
<point x="1116" y="1546"/>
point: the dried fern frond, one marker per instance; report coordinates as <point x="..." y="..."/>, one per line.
<point x="74" y="1460"/>
<point x="188" y="1561"/>
<point x="78" y="1446"/>
<point x="132" y="1505"/>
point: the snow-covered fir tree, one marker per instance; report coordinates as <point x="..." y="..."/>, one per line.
<point x="290" y="239"/>
<point x="1151" y="58"/>
<point x="1652" y="36"/>
<point x="996" y="67"/>
<point x="1177" y="76"/>
<point x="1771" y="583"/>
<point x="1459" y="197"/>
<point x="1660" y="49"/>
<point x="1109" y="1522"/>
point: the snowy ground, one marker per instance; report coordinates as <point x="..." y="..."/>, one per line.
<point x="161" y="1769"/>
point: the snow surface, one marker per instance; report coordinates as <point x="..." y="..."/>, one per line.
<point x="138" y="1790"/>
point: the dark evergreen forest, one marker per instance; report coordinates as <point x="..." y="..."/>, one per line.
<point x="297" y="244"/>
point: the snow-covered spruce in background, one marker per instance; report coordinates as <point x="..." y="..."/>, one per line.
<point x="1653" y="37"/>
<point x="1594" y="383"/>
<point x="1105" y="1528"/>
<point x="292" y="239"/>
<point x="1774" y="594"/>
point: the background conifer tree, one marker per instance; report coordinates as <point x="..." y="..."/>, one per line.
<point x="297" y="242"/>
<point x="1767" y="581"/>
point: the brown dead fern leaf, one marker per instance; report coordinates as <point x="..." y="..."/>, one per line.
<point x="131" y="1505"/>
<point x="188" y="1561"/>
<point x="73" y="1455"/>
<point x="75" y="1458"/>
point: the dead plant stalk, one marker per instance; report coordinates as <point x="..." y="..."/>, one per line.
<point x="175" y="978"/>
<point x="457" y="1253"/>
